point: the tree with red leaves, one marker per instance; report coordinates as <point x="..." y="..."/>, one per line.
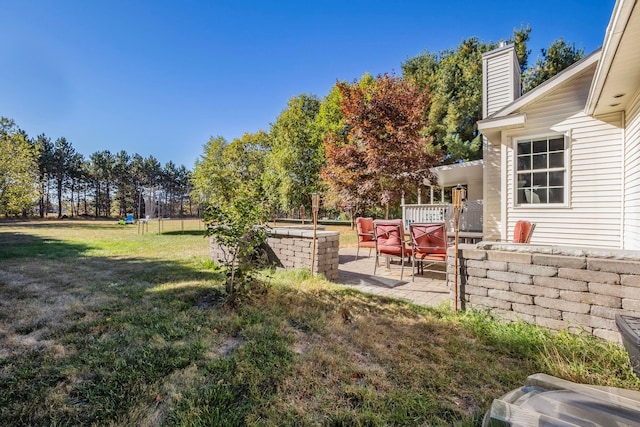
<point x="383" y="151"/>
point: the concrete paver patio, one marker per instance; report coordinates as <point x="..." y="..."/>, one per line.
<point x="429" y="288"/>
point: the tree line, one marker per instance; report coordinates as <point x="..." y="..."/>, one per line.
<point x="39" y="176"/>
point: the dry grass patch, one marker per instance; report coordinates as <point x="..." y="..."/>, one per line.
<point x="362" y="357"/>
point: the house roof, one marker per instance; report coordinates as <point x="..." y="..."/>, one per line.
<point x="512" y="117"/>
<point x="617" y="76"/>
<point x="549" y="85"/>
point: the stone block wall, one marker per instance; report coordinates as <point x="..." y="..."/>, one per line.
<point x="291" y="247"/>
<point x="556" y="287"/>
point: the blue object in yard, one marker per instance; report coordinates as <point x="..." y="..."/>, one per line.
<point x="129" y="219"/>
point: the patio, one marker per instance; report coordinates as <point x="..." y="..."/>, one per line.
<point x="428" y="289"/>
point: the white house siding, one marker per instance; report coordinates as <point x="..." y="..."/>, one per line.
<point x="492" y="190"/>
<point x="593" y="216"/>
<point x="632" y="177"/>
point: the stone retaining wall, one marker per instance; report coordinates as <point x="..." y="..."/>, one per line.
<point x="291" y="247"/>
<point x="556" y="287"/>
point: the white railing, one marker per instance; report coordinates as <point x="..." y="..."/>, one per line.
<point x="424" y="213"/>
<point x="471" y="219"/>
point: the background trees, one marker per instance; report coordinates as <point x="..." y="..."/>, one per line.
<point x="35" y="171"/>
<point x="44" y="153"/>
<point x="227" y="169"/>
<point x="63" y="155"/>
<point x="558" y="56"/>
<point x="292" y="166"/>
<point x="211" y="180"/>
<point x="382" y="152"/>
<point x="454" y="80"/>
<point x="18" y="170"/>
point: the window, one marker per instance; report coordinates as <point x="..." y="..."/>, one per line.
<point x="541" y="171"/>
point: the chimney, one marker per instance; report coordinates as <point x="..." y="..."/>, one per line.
<point x="500" y="78"/>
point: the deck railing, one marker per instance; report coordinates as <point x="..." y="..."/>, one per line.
<point x="471" y="219"/>
<point x="424" y="213"/>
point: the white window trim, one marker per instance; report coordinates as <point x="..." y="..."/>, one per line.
<point x="567" y="169"/>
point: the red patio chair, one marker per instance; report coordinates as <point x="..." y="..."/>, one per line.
<point x="364" y="227"/>
<point x="428" y="243"/>
<point x="523" y="231"/>
<point x="389" y="235"/>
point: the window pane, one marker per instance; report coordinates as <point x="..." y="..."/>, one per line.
<point x="524" y="148"/>
<point x="542" y="194"/>
<point x="540" y="146"/>
<point x="540" y="179"/>
<point x="540" y="161"/>
<point x="556" y="160"/>
<point x="521" y="197"/>
<point x="556" y="144"/>
<point x="524" y="163"/>
<point x="532" y="196"/>
<point x="556" y="195"/>
<point x="556" y="179"/>
<point x="524" y="180"/>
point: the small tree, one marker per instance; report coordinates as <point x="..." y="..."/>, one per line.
<point x="238" y="228"/>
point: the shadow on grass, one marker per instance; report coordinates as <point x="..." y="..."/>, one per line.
<point x="60" y="223"/>
<point x="19" y="245"/>
<point x="146" y="272"/>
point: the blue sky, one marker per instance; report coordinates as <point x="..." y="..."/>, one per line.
<point x="160" y="77"/>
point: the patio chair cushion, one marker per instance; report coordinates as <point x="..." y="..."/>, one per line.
<point x="428" y="239"/>
<point x="364" y="227"/>
<point x="390" y="238"/>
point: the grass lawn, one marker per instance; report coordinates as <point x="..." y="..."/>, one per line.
<point x="100" y="325"/>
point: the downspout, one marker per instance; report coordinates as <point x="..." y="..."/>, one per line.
<point x="504" y="176"/>
<point x="623" y="118"/>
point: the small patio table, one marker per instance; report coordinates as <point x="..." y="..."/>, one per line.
<point x="466" y="236"/>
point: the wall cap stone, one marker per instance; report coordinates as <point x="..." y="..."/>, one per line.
<point x="617" y="254"/>
<point x="299" y="232"/>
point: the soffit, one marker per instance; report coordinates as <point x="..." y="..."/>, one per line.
<point x="623" y="76"/>
<point x="459" y="173"/>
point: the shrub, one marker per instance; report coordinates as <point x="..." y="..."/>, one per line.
<point x="239" y="228"/>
